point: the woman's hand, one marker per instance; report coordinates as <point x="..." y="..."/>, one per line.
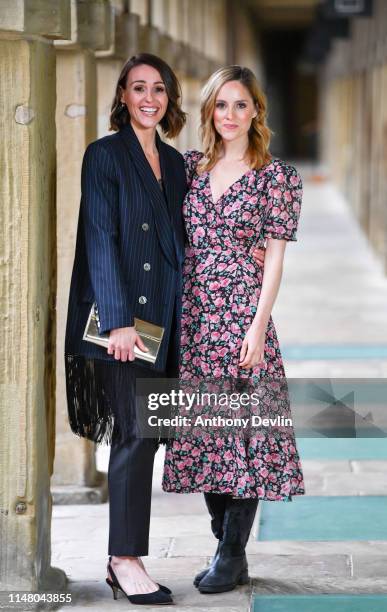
<point x="259" y="255"/>
<point x="253" y="346"/>
<point x="122" y="342"/>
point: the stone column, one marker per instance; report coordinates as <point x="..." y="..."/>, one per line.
<point x="110" y="63"/>
<point x="377" y="67"/>
<point x="354" y="121"/>
<point x="191" y="73"/>
<point x="75" y="479"/>
<point x="27" y="361"/>
<point x="189" y="137"/>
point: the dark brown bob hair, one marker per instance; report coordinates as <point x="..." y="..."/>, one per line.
<point x="174" y="118"/>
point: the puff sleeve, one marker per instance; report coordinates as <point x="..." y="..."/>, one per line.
<point x="191" y="160"/>
<point x="284" y="193"/>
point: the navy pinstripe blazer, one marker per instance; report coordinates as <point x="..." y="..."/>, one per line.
<point x="130" y="241"/>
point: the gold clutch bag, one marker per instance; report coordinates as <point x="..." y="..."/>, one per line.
<point x="150" y="334"/>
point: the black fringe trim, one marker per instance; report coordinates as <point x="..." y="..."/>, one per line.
<point x="89" y="408"/>
<point x="101" y="399"/>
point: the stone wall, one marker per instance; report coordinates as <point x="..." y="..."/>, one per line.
<point x="59" y="62"/>
<point x="353" y="122"/>
<point x="27" y="308"/>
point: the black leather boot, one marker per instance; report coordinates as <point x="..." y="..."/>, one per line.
<point x="230" y="566"/>
<point x="216" y="505"/>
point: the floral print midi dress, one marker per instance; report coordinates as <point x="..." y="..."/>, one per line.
<point x="221" y="288"/>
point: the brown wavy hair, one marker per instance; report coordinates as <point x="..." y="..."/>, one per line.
<point x="257" y="153"/>
<point x="174" y="118"/>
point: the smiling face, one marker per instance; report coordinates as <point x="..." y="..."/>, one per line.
<point x="234" y="111"/>
<point x="145" y="97"/>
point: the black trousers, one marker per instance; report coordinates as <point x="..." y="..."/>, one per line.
<point x="130" y="491"/>
<point x="131" y="461"/>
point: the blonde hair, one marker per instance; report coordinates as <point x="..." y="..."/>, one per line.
<point x="257" y="153"/>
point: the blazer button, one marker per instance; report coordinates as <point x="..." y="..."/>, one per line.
<point x="147" y="267"/>
<point x="142" y="299"/>
<point x="145" y="227"/>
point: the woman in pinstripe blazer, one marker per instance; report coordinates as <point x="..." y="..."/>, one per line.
<point x="129" y="251"/>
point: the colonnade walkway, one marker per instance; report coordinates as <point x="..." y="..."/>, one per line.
<point x="317" y="552"/>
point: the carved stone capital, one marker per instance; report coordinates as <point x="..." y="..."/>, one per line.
<point x="149" y="40"/>
<point x="127" y="35"/>
<point x="48" y="18"/>
<point x="92" y="26"/>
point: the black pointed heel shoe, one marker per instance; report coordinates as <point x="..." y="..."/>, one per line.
<point x="161" y="586"/>
<point x="157" y="598"/>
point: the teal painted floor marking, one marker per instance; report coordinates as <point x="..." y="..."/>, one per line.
<point x="319" y="518"/>
<point x="306" y="352"/>
<point x="320" y="603"/>
<point x="342" y="448"/>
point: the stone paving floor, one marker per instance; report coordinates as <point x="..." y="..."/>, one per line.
<point x="333" y="292"/>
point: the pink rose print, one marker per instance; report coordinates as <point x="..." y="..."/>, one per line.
<point x="294" y="180"/>
<point x="221" y="291"/>
<point x="214" y="286"/>
<point x="277" y="193"/>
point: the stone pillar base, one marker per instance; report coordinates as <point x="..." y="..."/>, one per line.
<point x="78" y="494"/>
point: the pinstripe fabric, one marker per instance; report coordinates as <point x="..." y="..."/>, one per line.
<point x="124" y="223"/>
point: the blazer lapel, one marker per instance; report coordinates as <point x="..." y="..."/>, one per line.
<point x="175" y="205"/>
<point x="163" y="222"/>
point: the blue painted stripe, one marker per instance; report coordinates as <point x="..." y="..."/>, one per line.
<point x="342" y="448"/>
<point x="325" y="519"/>
<point x="320" y="603"/>
<point x="306" y="352"/>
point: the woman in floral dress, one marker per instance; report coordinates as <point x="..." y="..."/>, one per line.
<point x="238" y="196"/>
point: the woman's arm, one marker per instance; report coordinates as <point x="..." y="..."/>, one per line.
<point x="284" y="192"/>
<point x="252" y="351"/>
